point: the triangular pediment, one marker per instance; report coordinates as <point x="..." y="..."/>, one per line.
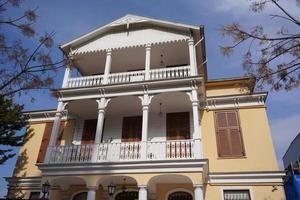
<point x="128" y="19"/>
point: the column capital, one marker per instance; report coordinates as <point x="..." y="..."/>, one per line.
<point x="148" y="46"/>
<point x="102" y="103"/>
<point x="108" y="51"/>
<point x="92" y="187"/>
<point x="191" y="41"/>
<point x="198" y="185"/>
<point x="142" y="186"/>
<point x="58" y="114"/>
<point x="146" y="100"/>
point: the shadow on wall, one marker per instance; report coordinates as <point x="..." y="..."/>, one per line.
<point x="20" y="169"/>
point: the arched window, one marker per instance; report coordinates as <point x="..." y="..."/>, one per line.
<point x="180" y="195"/>
<point x="130" y="195"/>
<point x="80" y="196"/>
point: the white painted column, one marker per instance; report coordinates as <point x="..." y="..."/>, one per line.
<point x="197" y="137"/>
<point x="146" y="100"/>
<point x="102" y="104"/>
<point x="67" y="76"/>
<point x="56" y="124"/>
<point x="147" y="62"/>
<point x="107" y="66"/>
<point x="192" y="54"/>
<point x="142" y="192"/>
<point x="198" y="192"/>
<point x="91" y="194"/>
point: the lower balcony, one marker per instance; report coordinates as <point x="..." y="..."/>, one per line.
<point x="125" y="151"/>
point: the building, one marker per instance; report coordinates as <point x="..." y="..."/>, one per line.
<point x="291" y="163"/>
<point x="137" y="114"/>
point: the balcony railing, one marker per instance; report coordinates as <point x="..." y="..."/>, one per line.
<point x="126" y="151"/>
<point x="128" y="77"/>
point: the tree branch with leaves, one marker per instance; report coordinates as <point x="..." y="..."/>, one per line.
<point x="273" y="58"/>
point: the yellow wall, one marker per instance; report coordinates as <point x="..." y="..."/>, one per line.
<point x="259" y="192"/>
<point x="260" y="155"/>
<point x="28" y="154"/>
<point x="219" y="91"/>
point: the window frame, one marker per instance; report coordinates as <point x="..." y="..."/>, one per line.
<point x="237" y="188"/>
<point x="241" y="135"/>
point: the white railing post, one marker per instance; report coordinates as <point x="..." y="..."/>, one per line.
<point x="67" y="76"/>
<point x="107" y="66"/>
<point x="147" y="61"/>
<point x="192" y="54"/>
<point x="56" y="124"/>
<point x="146" y="100"/>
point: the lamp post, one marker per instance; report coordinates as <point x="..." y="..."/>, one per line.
<point x="111" y="189"/>
<point x="45" y="190"/>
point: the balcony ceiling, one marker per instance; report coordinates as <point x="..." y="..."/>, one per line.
<point x="129" y="59"/>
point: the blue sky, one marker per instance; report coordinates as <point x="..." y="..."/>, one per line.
<point x="70" y="19"/>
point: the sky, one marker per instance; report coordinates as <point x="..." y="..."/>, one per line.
<point x="72" y="18"/>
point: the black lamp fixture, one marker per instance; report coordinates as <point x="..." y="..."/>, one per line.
<point x="162" y="60"/>
<point x="45" y="188"/>
<point x="111" y="188"/>
<point x="160" y="112"/>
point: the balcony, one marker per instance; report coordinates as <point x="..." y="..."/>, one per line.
<point x="130" y="77"/>
<point x="126" y="151"/>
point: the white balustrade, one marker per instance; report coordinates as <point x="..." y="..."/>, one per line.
<point x="85" y="81"/>
<point x="170" y="73"/>
<point x="124" y="151"/>
<point x="128" y="77"/>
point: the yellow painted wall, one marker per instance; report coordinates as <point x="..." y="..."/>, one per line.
<point x="259" y="192"/>
<point x="28" y="154"/>
<point x="219" y="91"/>
<point x="260" y="155"/>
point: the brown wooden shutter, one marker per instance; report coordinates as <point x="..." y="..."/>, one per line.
<point x="132" y="129"/>
<point x="178" y="126"/>
<point x="89" y="131"/>
<point x="46" y="138"/>
<point x="229" y="137"/>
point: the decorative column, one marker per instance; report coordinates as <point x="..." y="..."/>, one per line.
<point x="146" y="100"/>
<point x="107" y="66"/>
<point x="142" y="192"/>
<point x="102" y="104"/>
<point x="67" y="76"/>
<point x="91" y="194"/>
<point x="198" y="192"/>
<point x="197" y="130"/>
<point x="192" y="54"/>
<point x="147" y="62"/>
<point x="56" y="124"/>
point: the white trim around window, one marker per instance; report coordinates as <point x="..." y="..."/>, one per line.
<point x="237" y="188"/>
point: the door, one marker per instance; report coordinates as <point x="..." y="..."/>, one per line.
<point x="178" y="126"/>
<point x="132" y="129"/>
<point x="89" y="131"/>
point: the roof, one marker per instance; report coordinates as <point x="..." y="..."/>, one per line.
<point x="247" y="81"/>
<point x="125" y="20"/>
<point x="291" y="144"/>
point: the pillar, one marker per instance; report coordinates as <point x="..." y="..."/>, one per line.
<point x="102" y="104"/>
<point x="147" y="61"/>
<point x="198" y="192"/>
<point x="68" y="72"/>
<point x="91" y="194"/>
<point x="56" y="124"/>
<point x="107" y="66"/>
<point x="142" y="192"/>
<point x="197" y="130"/>
<point x="192" y="54"/>
<point x="146" y="100"/>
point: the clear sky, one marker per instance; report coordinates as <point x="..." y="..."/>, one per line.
<point x="72" y="18"/>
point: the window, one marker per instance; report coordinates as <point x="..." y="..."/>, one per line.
<point x="132" y="129"/>
<point x="228" y="132"/>
<point x="236" y="195"/>
<point x="34" y="196"/>
<point x="178" y="126"/>
<point x="89" y="131"/>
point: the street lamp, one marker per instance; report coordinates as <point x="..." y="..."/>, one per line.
<point x="111" y="188"/>
<point x="45" y="189"/>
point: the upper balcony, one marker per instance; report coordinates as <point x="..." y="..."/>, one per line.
<point x="134" y="49"/>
